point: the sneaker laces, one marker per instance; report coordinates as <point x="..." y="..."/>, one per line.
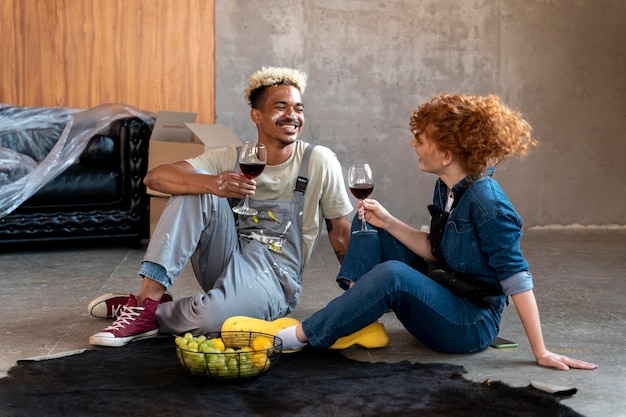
<point x="116" y="310"/>
<point x="129" y="315"/>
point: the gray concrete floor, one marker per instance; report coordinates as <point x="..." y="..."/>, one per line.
<point x="580" y="282"/>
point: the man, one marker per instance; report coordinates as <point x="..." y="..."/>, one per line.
<point x="245" y="265"/>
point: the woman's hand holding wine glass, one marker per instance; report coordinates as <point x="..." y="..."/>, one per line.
<point x="361" y="184"/>
<point x="252" y="161"/>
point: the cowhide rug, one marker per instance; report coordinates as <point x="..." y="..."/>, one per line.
<point x="146" y="379"/>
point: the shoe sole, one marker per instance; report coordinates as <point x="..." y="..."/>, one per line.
<point x="119" y="341"/>
<point x="249" y="324"/>
<point x="98" y="306"/>
<point x="372" y="336"/>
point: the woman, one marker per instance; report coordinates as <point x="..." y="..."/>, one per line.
<point x="474" y="241"/>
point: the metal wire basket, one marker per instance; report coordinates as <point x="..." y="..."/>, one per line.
<point x="229" y="356"/>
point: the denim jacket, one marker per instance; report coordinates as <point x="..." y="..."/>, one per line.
<point x="482" y="235"/>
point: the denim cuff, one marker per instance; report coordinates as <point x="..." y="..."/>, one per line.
<point x="517" y="283"/>
<point x="314" y="341"/>
<point x="156" y="273"/>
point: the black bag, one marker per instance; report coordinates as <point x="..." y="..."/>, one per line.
<point x="479" y="293"/>
<point x="475" y="290"/>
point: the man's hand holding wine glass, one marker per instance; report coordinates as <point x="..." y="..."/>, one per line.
<point x="252" y="159"/>
<point x="231" y="184"/>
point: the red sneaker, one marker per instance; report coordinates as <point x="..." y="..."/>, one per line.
<point x="134" y="323"/>
<point x="109" y="306"/>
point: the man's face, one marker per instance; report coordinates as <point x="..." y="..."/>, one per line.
<point x="281" y="117"/>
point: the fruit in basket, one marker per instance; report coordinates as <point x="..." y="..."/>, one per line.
<point x="261" y="361"/>
<point x="219" y="344"/>
<point x="231" y="355"/>
<point x="180" y="341"/>
<point x="248" y="369"/>
<point x="262" y="343"/>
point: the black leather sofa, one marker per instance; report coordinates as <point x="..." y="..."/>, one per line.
<point x="99" y="198"/>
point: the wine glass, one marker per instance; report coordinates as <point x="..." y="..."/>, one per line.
<point x="251" y="163"/>
<point x="361" y="184"/>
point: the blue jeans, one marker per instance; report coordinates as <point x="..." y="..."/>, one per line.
<point x="384" y="280"/>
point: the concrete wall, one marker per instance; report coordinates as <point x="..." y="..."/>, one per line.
<point x="562" y="63"/>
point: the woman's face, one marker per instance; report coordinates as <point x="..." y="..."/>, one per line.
<point x="430" y="158"/>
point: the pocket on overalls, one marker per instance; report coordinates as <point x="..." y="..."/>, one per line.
<point x="269" y="226"/>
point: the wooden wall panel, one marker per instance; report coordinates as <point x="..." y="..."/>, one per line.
<point x="152" y="54"/>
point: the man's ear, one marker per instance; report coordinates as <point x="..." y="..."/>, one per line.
<point x="255" y="115"/>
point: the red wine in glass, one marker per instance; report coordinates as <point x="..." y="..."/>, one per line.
<point x="251" y="163"/>
<point x="251" y="170"/>
<point x="361" y="184"/>
<point x="362" y="191"/>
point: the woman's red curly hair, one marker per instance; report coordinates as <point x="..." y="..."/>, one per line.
<point x="481" y="131"/>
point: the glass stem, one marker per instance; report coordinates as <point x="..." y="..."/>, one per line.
<point x="363" y="222"/>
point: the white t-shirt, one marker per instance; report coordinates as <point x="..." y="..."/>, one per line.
<point x="325" y="197"/>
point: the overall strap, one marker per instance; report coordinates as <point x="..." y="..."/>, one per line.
<point x="303" y="181"/>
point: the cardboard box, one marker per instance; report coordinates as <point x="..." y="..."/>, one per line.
<point x="208" y="136"/>
<point x="213" y="135"/>
<point x="170" y="127"/>
<point x="203" y="137"/>
<point x="161" y="153"/>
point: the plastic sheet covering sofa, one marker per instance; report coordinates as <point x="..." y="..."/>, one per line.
<point x="70" y="175"/>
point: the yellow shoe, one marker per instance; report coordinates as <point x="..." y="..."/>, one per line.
<point x="370" y="337"/>
<point x="250" y="324"/>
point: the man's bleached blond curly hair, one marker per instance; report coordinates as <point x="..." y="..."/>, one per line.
<point x="268" y="76"/>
